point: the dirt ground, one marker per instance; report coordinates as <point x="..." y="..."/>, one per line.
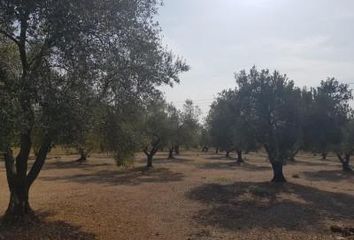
<point x="196" y="196"/>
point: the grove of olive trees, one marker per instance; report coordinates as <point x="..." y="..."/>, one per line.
<point x="267" y="111"/>
<point x="87" y="76"/>
<point x="66" y="58"/>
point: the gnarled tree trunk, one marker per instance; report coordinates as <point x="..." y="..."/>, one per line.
<point x="239" y="156"/>
<point x="324" y="155"/>
<point x="217" y="150"/>
<point x="205" y="149"/>
<point x="170" y="153"/>
<point x="149" y="161"/>
<point x="227" y="155"/>
<point x="150" y="154"/>
<point x="83" y="155"/>
<point x="278" y="176"/>
<point x="19" y="203"/>
<point x="19" y="181"/>
<point x="345" y="160"/>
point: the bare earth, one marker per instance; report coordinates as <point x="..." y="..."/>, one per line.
<point x="196" y="196"/>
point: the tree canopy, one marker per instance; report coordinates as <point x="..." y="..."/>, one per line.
<point x="67" y="56"/>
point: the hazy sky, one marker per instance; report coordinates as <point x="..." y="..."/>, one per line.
<point x="308" y="40"/>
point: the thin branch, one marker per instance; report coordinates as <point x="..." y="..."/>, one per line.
<point x="10" y="36"/>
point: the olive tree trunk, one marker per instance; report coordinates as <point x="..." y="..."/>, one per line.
<point x="19" y="180"/>
<point x="151" y="153"/>
<point x="345" y="160"/>
<point x="277" y="165"/>
<point x="278" y="176"/>
<point x="205" y="149"/>
<point x="170" y="153"/>
<point x="84" y="154"/>
<point x="239" y="156"/>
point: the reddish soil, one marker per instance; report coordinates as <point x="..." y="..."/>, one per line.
<point x="195" y="196"/>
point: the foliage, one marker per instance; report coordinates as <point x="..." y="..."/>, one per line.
<point x="229" y="124"/>
<point x="274" y="111"/>
<point x="67" y="57"/>
<point x="189" y="129"/>
<point x="221" y="121"/>
<point x="327" y="113"/>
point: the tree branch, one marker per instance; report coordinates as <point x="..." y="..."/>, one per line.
<point x="40" y="160"/>
<point x="10" y="167"/>
<point x="22" y="157"/>
<point x="36" y="60"/>
<point x="146" y="152"/>
<point x="340" y="157"/>
<point x="10" y="36"/>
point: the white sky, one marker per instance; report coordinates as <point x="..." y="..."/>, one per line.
<point x="308" y="40"/>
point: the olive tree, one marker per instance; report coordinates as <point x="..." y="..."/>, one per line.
<point x="156" y="129"/>
<point x="184" y="127"/>
<point x="229" y="123"/>
<point x="327" y="124"/>
<point x="274" y="112"/>
<point x="345" y="148"/>
<point x="189" y="130"/>
<point x="221" y="122"/>
<point x="204" y="138"/>
<point x="67" y="51"/>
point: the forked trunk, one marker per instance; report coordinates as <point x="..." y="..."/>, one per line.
<point x="19" y="181"/>
<point x="239" y="157"/>
<point x="345" y="160"/>
<point x="150" y="154"/>
<point x="278" y="176"/>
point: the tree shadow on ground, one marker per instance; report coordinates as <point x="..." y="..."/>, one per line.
<point x="176" y="159"/>
<point x="134" y="176"/>
<point x="218" y="157"/>
<point x="224" y="165"/>
<point x="41" y="228"/>
<point x="310" y="163"/>
<point x="231" y="165"/>
<point x="254" y="167"/>
<point x="248" y="205"/>
<point x="330" y="175"/>
<point x="72" y="165"/>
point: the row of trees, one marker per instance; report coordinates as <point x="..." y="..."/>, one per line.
<point x="86" y="73"/>
<point x="79" y="73"/>
<point x="167" y="127"/>
<point x="266" y="110"/>
<point x="154" y="126"/>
